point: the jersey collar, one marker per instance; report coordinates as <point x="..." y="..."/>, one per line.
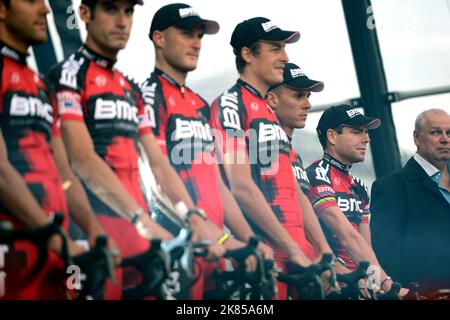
<point x="169" y="79"/>
<point x="250" y="88"/>
<point x="97" y="58"/>
<point x="13" y="54"/>
<point x="336" y="163"/>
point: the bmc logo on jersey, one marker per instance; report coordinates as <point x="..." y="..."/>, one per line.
<point x="323" y="189"/>
<point x="349" y="204"/>
<point x="188" y="129"/>
<point x="300" y="173"/>
<point x="118" y="109"/>
<point x="31" y="106"/>
<point x="69" y="72"/>
<point x="271" y="132"/>
<point x="229" y="104"/>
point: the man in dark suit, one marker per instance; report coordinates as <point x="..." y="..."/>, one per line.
<point x="411" y="209"/>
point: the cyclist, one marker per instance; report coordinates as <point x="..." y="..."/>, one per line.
<point x="103" y="120"/>
<point x="181" y="123"/>
<point x="33" y="162"/>
<point x="290" y="101"/>
<point x="255" y="150"/>
<point x="340" y="199"/>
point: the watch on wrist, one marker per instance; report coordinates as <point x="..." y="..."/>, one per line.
<point x="135" y="215"/>
<point x="340" y="260"/>
<point x="197" y="211"/>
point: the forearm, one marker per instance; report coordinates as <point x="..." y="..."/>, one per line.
<point x="17" y="198"/>
<point x="313" y="230"/>
<point x="359" y="250"/>
<point x="364" y="229"/>
<point x="172" y="185"/>
<point x="255" y="205"/>
<point x="103" y="182"/>
<point x="80" y="209"/>
<point x="234" y="219"/>
<point x="166" y="176"/>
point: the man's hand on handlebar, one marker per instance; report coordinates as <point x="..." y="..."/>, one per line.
<point x="215" y="251"/>
<point x="265" y="251"/>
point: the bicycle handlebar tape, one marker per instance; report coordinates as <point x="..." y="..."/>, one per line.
<point x="101" y="241"/>
<point x="58" y="219"/>
<point x="253" y="242"/>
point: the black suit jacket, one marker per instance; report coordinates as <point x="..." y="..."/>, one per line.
<point x="411" y="228"/>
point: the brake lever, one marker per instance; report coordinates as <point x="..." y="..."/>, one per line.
<point x="392" y="294"/>
<point x="327" y="264"/>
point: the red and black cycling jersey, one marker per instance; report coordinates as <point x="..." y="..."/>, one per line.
<point x="299" y="171"/>
<point x="332" y="185"/>
<point x="89" y="88"/>
<point x="180" y="123"/>
<point x="245" y="122"/>
<point x="28" y="119"/>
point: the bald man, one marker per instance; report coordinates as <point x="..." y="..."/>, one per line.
<point x="411" y="209"/>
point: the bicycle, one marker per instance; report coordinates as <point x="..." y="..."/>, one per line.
<point x="240" y="283"/>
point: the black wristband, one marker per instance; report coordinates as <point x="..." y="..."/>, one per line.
<point x="135" y="215"/>
<point x="198" y="211"/>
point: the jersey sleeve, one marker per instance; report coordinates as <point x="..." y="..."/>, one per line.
<point x="227" y="119"/>
<point x="145" y="126"/>
<point x="321" y="192"/>
<point x="49" y="90"/>
<point x="155" y="108"/>
<point x="67" y="83"/>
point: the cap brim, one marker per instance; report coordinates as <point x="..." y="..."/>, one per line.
<point x="305" y="83"/>
<point x="210" y="26"/>
<point x="282" y="35"/>
<point x="366" y="122"/>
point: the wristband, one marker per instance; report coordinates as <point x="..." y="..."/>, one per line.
<point x="135" y="215"/>
<point x="223" y="238"/>
<point x="340" y="260"/>
<point x="382" y="283"/>
<point x="197" y="211"/>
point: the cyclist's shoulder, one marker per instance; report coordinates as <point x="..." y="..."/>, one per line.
<point x="231" y="95"/>
<point x="69" y="73"/>
<point x="319" y="173"/>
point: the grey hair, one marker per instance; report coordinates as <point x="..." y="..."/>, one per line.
<point x="419" y="124"/>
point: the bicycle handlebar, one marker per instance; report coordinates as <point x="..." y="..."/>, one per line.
<point x="40" y="238"/>
<point x="98" y="266"/>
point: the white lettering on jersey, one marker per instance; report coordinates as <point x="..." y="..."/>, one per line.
<point x="299" y="173"/>
<point x="69" y="103"/>
<point x="187" y="129"/>
<point x="325" y="189"/>
<point x="121" y="110"/>
<point x="148" y="93"/>
<point x="69" y="72"/>
<point x="229" y="101"/>
<point x="271" y="132"/>
<point x="31" y="106"/>
<point x="321" y="172"/>
<point x="349" y="204"/>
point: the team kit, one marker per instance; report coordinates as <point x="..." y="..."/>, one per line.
<point x="233" y="213"/>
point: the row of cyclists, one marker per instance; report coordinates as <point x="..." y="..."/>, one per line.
<point x="71" y="142"/>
